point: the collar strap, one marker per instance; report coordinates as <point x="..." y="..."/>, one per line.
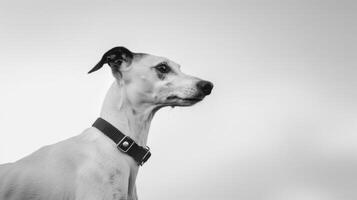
<point x="124" y="143"/>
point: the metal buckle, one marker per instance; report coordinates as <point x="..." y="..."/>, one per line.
<point x="144" y="159"/>
<point x="125" y="144"/>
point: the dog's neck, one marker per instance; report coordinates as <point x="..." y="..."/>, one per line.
<point x="131" y="118"/>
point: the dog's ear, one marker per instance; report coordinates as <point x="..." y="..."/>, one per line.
<point x="115" y="57"/>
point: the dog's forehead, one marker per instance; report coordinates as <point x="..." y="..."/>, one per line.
<point x="152" y="60"/>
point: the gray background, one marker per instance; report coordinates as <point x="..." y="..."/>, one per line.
<point x="281" y="123"/>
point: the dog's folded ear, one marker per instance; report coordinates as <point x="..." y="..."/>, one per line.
<point x="115" y="57"/>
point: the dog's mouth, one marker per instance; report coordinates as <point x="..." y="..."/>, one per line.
<point x="185" y="100"/>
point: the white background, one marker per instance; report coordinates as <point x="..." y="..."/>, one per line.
<point x="281" y="122"/>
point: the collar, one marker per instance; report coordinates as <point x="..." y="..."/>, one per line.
<point x="124" y="143"/>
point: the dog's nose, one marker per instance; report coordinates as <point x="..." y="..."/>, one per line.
<point x="205" y="87"/>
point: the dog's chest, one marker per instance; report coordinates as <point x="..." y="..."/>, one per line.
<point x="109" y="175"/>
<point x="116" y="184"/>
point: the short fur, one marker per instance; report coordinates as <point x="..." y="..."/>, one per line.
<point x="89" y="166"/>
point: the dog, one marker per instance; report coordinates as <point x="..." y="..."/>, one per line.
<point x="91" y="166"/>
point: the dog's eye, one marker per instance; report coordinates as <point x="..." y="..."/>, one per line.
<point x="163" y="68"/>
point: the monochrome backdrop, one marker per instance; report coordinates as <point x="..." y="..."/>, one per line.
<point x="281" y="122"/>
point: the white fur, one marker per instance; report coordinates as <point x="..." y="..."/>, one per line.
<point x="89" y="166"/>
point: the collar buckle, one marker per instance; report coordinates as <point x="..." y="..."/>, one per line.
<point x="125" y="144"/>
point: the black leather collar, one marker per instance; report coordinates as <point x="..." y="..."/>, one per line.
<point x="124" y="143"/>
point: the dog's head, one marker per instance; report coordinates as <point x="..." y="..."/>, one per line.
<point x="153" y="80"/>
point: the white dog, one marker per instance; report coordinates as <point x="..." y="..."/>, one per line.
<point x="102" y="162"/>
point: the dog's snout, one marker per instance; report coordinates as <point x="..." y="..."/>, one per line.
<point x="205" y="87"/>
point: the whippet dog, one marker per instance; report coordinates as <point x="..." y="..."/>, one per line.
<point x="91" y="166"/>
